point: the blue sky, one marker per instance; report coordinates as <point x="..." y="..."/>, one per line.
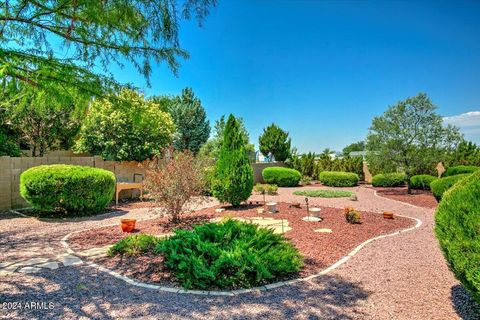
<point x="322" y="70"/>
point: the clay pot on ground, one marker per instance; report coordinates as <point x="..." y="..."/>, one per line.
<point x="128" y="225"/>
<point x="388" y="215"/>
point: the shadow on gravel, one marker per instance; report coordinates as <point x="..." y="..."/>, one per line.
<point x="84" y="292"/>
<point x="464" y="304"/>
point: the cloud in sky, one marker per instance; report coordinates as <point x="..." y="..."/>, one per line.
<point x="469" y="124"/>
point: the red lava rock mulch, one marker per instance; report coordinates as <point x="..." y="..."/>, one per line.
<point x="420" y="198"/>
<point x="319" y="249"/>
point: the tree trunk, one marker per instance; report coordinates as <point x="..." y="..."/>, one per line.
<point x="409" y="187"/>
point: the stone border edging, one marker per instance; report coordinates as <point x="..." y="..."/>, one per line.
<point x="335" y="265"/>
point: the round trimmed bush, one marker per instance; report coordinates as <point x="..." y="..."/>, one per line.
<point x="452" y="171"/>
<point x="441" y="185"/>
<point x="457" y="225"/>
<point x="338" y="178"/>
<point x="67" y="189"/>
<point x="282" y="177"/>
<point x="389" y="180"/>
<point x="229" y="255"/>
<point x="422" y="181"/>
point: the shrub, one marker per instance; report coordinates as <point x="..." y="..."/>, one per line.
<point x="282" y="177"/>
<point x="452" y="171"/>
<point x="228" y="255"/>
<point x="457" y="226"/>
<point x="422" y="181"/>
<point x="175" y="179"/>
<point x="233" y="182"/>
<point x="134" y="244"/>
<point x="324" y="193"/>
<point x="67" y="189"/>
<point x="338" y="178"/>
<point x="440" y="186"/>
<point x="270" y="189"/>
<point x="352" y="216"/>
<point x="389" y="180"/>
<point x="306" y="180"/>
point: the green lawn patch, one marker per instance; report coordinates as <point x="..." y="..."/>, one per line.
<point x="324" y="193"/>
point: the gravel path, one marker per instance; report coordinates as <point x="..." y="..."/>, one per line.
<point x="401" y="277"/>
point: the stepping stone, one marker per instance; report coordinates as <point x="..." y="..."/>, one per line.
<point x="49" y="265"/>
<point x="69" y="260"/>
<point x="311" y="219"/>
<point x="30" y="270"/>
<point x="94" y="251"/>
<point x="323" y="230"/>
<point x="219" y="210"/>
<point x="34" y="261"/>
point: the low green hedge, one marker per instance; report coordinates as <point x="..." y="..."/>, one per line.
<point x="282" y="177"/>
<point x="67" y="189"/>
<point x="441" y="185"/>
<point x="338" y="178"/>
<point x="422" y="181"/>
<point x="457" y="225"/>
<point x="452" y="171"/>
<point x="229" y="255"/>
<point x="389" y="180"/>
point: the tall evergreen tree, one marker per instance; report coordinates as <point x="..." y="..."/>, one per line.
<point x="276" y="142"/>
<point x="233" y="181"/>
<point x="193" y="128"/>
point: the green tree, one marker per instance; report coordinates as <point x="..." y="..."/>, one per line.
<point x="467" y="153"/>
<point x="410" y="137"/>
<point x="58" y="42"/>
<point x="356" y="146"/>
<point x="213" y="146"/>
<point x="233" y="181"/>
<point x="275" y="141"/>
<point x="125" y="127"/>
<point x="193" y="128"/>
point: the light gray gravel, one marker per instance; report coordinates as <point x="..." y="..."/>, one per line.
<point x="401" y="277"/>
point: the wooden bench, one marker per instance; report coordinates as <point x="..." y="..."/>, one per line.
<point x="127" y="186"/>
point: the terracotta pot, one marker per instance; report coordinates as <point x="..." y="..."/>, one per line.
<point x="388" y="215"/>
<point x="128" y="225"/>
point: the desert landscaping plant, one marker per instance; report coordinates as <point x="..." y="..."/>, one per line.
<point x="352" y="216"/>
<point x="389" y="180"/>
<point x="322" y="193"/>
<point x="233" y="181"/>
<point x="282" y="177"/>
<point x="67" y="189"/>
<point x="440" y="186"/>
<point x="134" y="244"/>
<point x="457" y="223"/>
<point x="338" y="179"/>
<point x="264" y="188"/>
<point x="175" y="179"/>
<point x="452" y="171"/>
<point x="228" y="255"/>
<point x="422" y="181"/>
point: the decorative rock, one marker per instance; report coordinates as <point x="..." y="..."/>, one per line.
<point x="324" y="230"/>
<point x="219" y="210"/>
<point x="295" y="205"/>
<point x="69" y="260"/>
<point x="312" y="219"/>
<point x="48" y="265"/>
<point x="353" y="197"/>
<point x="260" y="210"/>
<point x="388" y="215"/>
<point x="29" y="270"/>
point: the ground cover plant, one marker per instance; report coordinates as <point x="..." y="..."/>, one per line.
<point x="452" y="171"/>
<point x="389" y="180"/>
<point x="227" y="255"/>
<point x="324" y="193"/>
<point x="67" y="189"/>
<point x="422" y="181"/>
<point x="134" y="244"/>
<point x="440" y="186"/>
<point x="457" y="224"/>
<point x="338" y="179"/>
<point x="282" y="177"/>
